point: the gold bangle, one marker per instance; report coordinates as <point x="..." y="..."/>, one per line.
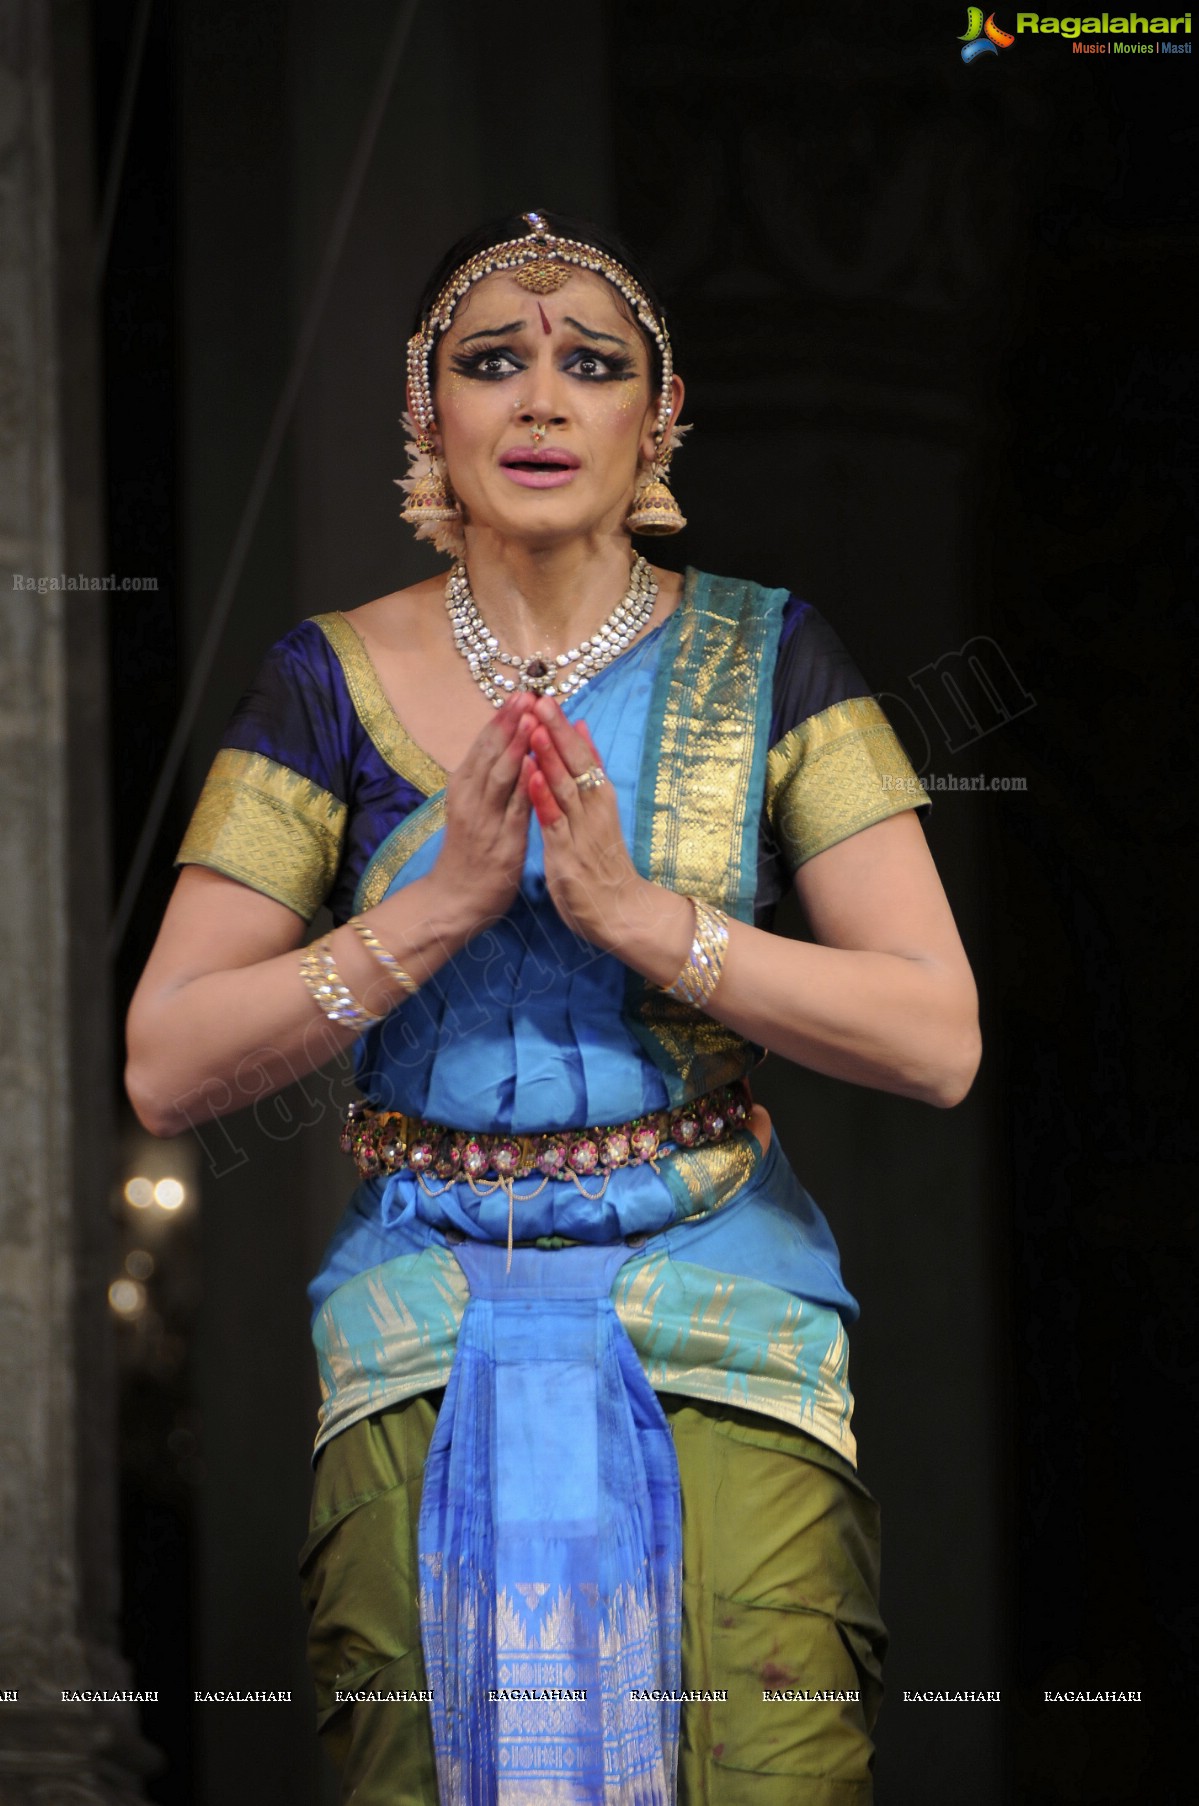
<point x="702" y="968"/>
<point x="388" y="961"/>
<point x="329" y="991"/>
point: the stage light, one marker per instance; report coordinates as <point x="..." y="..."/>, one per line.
<point x="168" y="1194"/>
<point x="127" y="1297"/>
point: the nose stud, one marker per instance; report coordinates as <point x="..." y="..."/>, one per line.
<point x="538" y="433"/>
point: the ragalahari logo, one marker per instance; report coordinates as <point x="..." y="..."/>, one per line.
<point x="983" y="38"/>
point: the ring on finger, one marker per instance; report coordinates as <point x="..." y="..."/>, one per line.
<point x="592" y="778"/>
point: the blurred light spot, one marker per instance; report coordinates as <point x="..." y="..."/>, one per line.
<point x="140" y="1193"/>
<point x="127" y="1297"/>
<point x="168" y="1194"/>
<point x="139" y="1262"/>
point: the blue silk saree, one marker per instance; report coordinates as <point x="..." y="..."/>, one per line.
<point x="740" y="740"/>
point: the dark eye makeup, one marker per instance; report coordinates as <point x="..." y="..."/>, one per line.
<point x="492" y="363"/>
<point x="487" y="362"/>
<point x="605" y="366"/>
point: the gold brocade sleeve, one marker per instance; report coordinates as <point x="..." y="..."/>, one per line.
<point x="836" y="772"/>
<point x="268" y="827"/>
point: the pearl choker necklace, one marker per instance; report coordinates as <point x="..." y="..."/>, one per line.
<point x="544" y="673"/>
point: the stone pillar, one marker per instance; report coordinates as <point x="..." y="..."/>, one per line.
<point x="58" y="1575"/>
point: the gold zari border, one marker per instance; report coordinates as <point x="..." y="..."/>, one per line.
<point x="416" y="1356"/>
<point x="372" y="708"/>
<point x="701" y="1363"/>
<point x="712" y="1176"/>
<point x="268" y="827"/>
<point x="397" y="850"/>
<point x="704" y="780"/>
<point x="838" y="771"/>
<point x="706" y="752"/>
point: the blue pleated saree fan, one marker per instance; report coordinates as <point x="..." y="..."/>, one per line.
<point x="551" y="1547"/>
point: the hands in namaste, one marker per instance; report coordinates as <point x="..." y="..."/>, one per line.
<point x="530" y="757"/>
<point x="595" y="886"/>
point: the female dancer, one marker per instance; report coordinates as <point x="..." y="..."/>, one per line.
<point x="586" y="1522"/>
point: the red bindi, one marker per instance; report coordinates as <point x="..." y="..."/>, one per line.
<point x="545" y="325"/>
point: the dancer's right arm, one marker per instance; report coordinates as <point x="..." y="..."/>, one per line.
<point x="221" y="1016"/>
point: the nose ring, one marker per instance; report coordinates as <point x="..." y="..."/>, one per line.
<point x="538" y="433"/>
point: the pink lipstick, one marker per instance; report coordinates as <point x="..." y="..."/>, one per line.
<point x="541" y="467"/>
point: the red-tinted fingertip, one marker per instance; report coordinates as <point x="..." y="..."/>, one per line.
<point x="544" y="802"/>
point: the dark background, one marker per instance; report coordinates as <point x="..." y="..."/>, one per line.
<point x="937" y="331"/>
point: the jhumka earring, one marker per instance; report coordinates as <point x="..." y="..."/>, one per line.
<point x="430" y="499"/>
<point x="431" y="506"/>
<point x="654" y="509"/>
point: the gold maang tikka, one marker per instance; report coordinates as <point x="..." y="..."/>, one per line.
<point x="542" y="263"/>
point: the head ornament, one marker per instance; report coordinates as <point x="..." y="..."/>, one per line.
<point x="540" y="262"/>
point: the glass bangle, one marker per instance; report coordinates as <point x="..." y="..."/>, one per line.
<point x="325" y="984"/>
<point x="379" y="952"/>
<point x="701" y="970"/>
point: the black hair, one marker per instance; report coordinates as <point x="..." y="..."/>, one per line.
<point x="561" y="225"/>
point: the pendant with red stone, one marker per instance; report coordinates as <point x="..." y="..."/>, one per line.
<point x="420" y="1156"/>
<point x="737" y="1110"/>
<point x="645" y="1141"/>
<point x="368" y="1162"/>
<point x="391" y="1154"/>
<point x="685" y="1130"/>
<point x="713" y="1123"/>
<point x="583" y="1155"/>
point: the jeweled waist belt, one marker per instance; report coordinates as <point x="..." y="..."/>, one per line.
<point x="388" y="1141"/>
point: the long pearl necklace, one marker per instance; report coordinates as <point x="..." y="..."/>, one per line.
<point x="545" y="674"/>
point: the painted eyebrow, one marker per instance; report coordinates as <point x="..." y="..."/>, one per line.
<point x="589" y="334"/>
<point x="494" y="332"/>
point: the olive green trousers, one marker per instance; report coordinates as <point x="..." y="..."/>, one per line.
<point x="780" y="1592"/>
